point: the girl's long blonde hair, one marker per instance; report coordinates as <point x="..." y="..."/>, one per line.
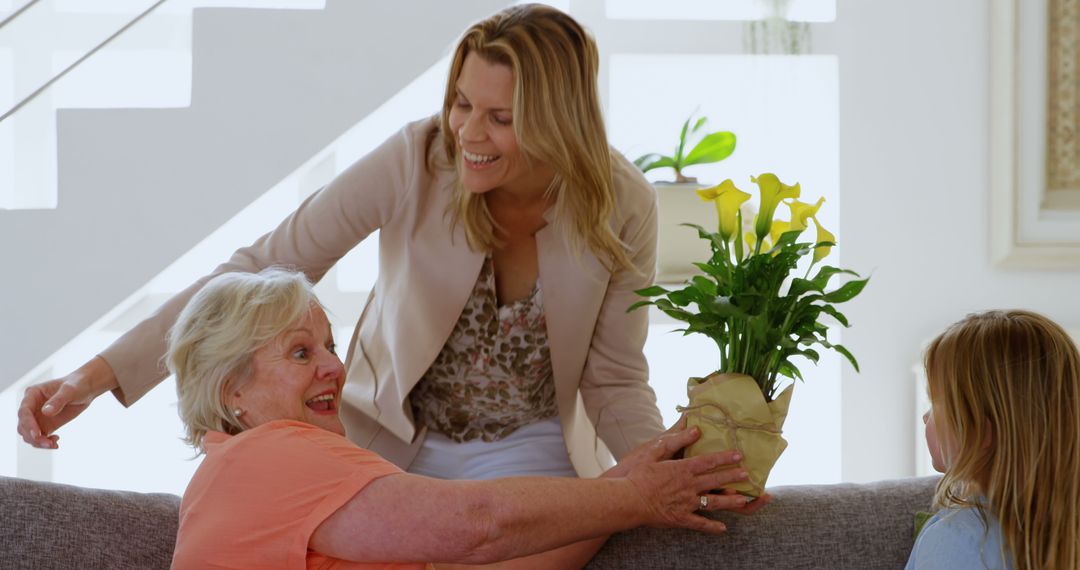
<point x="556" y="118"/>
<point x="1011" y="379"/>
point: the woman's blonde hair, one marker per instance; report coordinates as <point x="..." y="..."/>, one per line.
<point x="212" y="342"/>
<point x="556" y="119"/>
<point x="1012" y="378"/>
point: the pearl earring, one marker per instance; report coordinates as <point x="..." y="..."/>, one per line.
<point x="237" y="412"/>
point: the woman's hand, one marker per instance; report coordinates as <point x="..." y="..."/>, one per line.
<point x="48" y="405"/>
<point x="666" y="446"/>
<point x="663" y="446"/>
<point x="674" y="491"/>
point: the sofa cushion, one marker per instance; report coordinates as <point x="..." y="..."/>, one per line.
<point x="809" y="526"/>
<point x="46" y="525"/>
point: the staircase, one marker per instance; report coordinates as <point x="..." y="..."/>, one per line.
<point x="137" y="188"/>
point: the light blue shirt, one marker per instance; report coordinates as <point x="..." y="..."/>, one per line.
<point x="956" y="539"/>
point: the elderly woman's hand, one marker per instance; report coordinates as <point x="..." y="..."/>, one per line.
<point x="675" y="490"/>
<point x="665" y="447"/>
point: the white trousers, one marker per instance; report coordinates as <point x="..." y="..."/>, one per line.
<point x="537" y="449"/>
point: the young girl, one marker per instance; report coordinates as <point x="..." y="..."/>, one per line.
<point x="1004" y="428"/>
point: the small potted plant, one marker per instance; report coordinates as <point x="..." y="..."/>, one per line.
<point x="762" y="318"/>
<point x="677" y="201"/>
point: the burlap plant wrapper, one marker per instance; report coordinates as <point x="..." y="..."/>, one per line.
<point x="732" y="413"/>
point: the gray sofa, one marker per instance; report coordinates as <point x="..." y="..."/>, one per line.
<point x="45" y="526"/>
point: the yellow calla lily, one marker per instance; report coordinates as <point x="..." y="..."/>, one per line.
<point x="821" y="252"/>
<point x="772" y="192"/>
<point x="728" y="199"/>
<point x="778" y="228"/>
<point x="710" y="194"/>
<point x="801" y="211"/>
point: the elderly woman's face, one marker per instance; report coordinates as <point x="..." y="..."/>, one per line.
<point x="482" y="120"/>
<point x="296" y="376"/>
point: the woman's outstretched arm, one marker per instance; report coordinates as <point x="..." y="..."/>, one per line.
<point x="407" y="518"/>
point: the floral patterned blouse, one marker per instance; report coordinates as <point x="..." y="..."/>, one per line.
<point x="493" y="375"/>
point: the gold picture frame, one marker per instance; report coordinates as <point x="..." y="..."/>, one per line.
<point x="1034" y="128"/>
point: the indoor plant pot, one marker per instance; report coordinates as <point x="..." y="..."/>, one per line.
<point x="731" y="412"/>
<point x="677" y="201"/>
<point x="676" y="248"/>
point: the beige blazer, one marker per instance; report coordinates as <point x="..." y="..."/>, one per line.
<point x="426" y="274"/>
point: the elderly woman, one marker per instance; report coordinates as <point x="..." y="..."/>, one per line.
<point x="260" y="388"/>
<point x="512" y="237"/>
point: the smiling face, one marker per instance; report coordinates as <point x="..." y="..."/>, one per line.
<point x="296" y="376"/>
<point x="482" y="120"/>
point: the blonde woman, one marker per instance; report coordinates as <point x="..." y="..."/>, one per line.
<point x="1003" y="428"/>
<point x="496" y="340"/>
<point x="260" y="388"/>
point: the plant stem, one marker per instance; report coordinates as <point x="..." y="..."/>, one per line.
<point x="733" y="345"/>
<point x="748" y="340"/>
<point x="774" y="364"/>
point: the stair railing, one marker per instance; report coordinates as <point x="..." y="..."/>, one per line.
<point x="16" y="13"/>
<point x="77" y="62"/>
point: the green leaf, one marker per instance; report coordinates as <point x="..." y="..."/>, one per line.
<point x="646" y="159"/>
<point x="700" y="123"/>
<point x="677" y="314"/>
<point x="705" y="286"/>
<point x="714" y="238"/>
<point x="847" y="353"/>
<point x="722" y="307"/>
<point x="672" y="311"/>
<point x="683" y="297"/>
<point x="651" y="291"/>
<point x="831" y="311"/>
<point x="847" y="292"/>
<point x="819" y="282"/>
<point x="639" y="304"/>
<point x="827" y="271"/>
<point x="787" y="244"/>
<point x="682" y="144"/>
<point x="702" y="232"/>
<point x="712" y="148"/>
<point x="810" y="354"/>
<point x="790" y="370"/>
<point x="652" y="161"/>
<point x="800" y="286"/>
<point x="718" y="272"/>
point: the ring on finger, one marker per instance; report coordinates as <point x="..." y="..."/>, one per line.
<point x="703" y="502"/>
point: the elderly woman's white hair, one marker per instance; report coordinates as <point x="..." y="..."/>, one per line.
<point x="211" y="345"/>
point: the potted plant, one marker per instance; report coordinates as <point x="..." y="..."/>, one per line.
<point x="761" y="316"/>
<point x="677" y="201"/>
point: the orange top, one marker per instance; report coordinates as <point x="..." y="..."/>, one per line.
<point x="258" y="496"/>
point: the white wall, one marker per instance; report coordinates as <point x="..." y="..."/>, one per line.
<point x="915" y="186"/>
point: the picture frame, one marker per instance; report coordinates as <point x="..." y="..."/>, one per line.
<point x="1034" y="225"/>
